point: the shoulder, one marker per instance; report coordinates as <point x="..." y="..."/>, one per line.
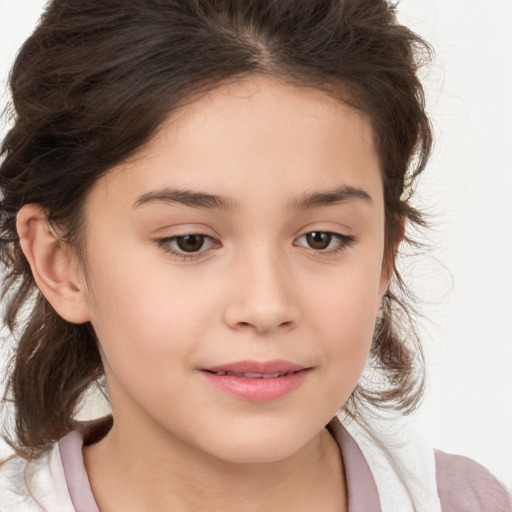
<point x="34" y="486"/>
<point x="465" y="485"/>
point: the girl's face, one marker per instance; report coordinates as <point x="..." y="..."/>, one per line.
<point x="235" y="270"/>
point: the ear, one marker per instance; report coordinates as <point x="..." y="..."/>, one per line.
<point x="390" y="252"/>
<point x="54" y="268"/>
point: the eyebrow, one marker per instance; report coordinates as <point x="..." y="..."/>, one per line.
<point x="330" y="197"/>
<point x="188" y="198"/>
<point x="206" y="201"/>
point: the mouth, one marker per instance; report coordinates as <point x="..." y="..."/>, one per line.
<point x="257" y="369"/>
<point x="257" y="381"/>
<point x="254" y="375"/>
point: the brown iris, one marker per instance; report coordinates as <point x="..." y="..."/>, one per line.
<point x="190" y="243"/>
<point x="319" y="240"/>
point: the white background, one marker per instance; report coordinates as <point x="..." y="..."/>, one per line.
<point x="466" y="277"/>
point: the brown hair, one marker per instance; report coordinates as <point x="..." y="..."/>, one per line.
<point x="94" y="82"/>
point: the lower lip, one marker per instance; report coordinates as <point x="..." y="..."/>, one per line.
<point x="258" y="390"/>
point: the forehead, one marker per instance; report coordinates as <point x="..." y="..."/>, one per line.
<point x="260" y="110"/>
<point x="256" y="138"/>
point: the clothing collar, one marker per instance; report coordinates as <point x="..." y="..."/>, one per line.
<point x="361" y="488"/>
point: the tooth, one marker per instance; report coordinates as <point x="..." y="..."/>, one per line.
<point x="254" y="375"/>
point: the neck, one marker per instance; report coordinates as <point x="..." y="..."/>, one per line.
<point x="127" y="472"/>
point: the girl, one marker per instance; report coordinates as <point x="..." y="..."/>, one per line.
<point x="202" y="201"/>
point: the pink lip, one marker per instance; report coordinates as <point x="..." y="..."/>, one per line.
<point x="257" y="367"/>
<point x="257" y="389"/>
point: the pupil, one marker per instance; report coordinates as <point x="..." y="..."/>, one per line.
<point x="319" y="240"/>
<point x="190" y="243"/>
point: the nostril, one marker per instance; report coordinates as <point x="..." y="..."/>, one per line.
<point x="262" y="317"/>
<point x="262" y="327"/>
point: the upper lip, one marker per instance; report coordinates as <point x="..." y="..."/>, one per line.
<point x="263" y="367"/>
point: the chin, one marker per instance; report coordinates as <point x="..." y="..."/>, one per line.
<point x="257" y="448"/>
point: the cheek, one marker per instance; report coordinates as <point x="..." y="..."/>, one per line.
<point x="143" y="313"/>
<point x="349" y="330"/>
<point x="343" y="316"/>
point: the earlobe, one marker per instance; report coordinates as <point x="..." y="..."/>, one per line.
<point x="388" y="266"/>
<point x="52" y="266"/>
<point x="390" y="254"/>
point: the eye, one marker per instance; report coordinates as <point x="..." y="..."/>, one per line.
<point x="187" y="245"/>
<point x="191" y="243"/>
<point x="325" y="241"/>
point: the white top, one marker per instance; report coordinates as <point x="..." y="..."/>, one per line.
<point x="388" y="468"/>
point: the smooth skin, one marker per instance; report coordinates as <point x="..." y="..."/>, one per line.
<point x="272" y="164"/>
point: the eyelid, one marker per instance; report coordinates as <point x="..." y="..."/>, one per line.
<point x="345" y="241"/>
<point x="164" y="243"/>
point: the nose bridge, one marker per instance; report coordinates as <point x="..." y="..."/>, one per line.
<point x="263" y="298"/>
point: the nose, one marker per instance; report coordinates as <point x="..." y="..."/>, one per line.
<point x="263" y="296"/>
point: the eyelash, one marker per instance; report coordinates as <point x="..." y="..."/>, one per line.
<point x="344" y="242"/>
<point x="165" y="245"/>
